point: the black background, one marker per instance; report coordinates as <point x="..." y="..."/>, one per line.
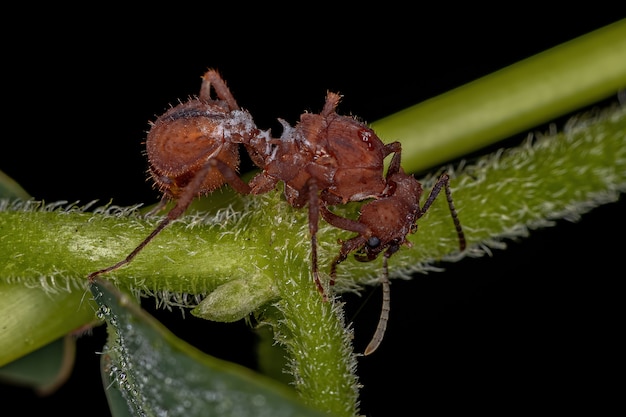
<point x="530" y="328"/>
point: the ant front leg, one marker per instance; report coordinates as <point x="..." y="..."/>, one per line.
<point x="444" y="181"/>
<point x="354" y="244"/>
<point x="393" y="148"/>
<point x="349" y="245"/>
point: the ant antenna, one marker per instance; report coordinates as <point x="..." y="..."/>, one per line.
<point x="384" y="312"/>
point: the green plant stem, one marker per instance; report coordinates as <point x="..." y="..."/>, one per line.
<point x="33" y="317"/>
<point x="526" y="94"/>
<point x="264" y="247"/>
<point x="313" y="332"/>
<point x="500" y="197"/>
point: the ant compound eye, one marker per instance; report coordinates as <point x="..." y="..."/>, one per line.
<point x="373" y="242"/>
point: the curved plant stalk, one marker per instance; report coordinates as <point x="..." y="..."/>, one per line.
<point x="502" y="196"/>
<point x="516" y="98"/>
<point x="250" y="255"/>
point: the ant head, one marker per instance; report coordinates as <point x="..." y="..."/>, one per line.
<point x="390" y="219"/>
<point x="374" y="246"/>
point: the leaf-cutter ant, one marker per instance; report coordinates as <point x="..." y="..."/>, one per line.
<point x="326" y="160"/>
<point x="383" y="226"/>
<point x="193" y="149"/>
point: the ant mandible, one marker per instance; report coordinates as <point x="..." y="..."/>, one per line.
<point x="193" y="149"/>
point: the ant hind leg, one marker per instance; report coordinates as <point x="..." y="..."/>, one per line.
<point x="214" y="79"/>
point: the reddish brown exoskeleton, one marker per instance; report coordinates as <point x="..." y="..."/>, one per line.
<point x="193" y="149"/>
<point x="326" y="159"/>
<point x="383" y="226"/>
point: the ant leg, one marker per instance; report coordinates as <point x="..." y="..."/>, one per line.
<point x="346" y="247"/>
<point x="384" y="312"/>
<point x="393" y="147"/>
<point x="332" y="100"/>
<point x="134" y="253"/>
<point x="230" y="176"/>
<point x="314" y="211"/>
<point x="183" y="202"/>
<point x="315" y="208"/>
<point x="444" y="181"/>
<point x="213" y="78"/>
<point x="349" y="245"/>
<point x="333" y="266"/>
<point x="343" y="222"/>
<point x="394" y="165"/>
<point x="394" y="168"/>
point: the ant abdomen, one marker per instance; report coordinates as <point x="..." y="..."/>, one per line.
<point x="182" y="140"/>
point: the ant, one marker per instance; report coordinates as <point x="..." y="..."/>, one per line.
<point x="193" y="149"/>
<point x="383" y="225"/>
<point x="326" y="160"/>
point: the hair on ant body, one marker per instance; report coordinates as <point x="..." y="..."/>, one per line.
<point x="193" y="149"/>
<point x="325" y="160"/>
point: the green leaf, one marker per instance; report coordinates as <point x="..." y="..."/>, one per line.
<point x="33" y="316"/>
<point x="45" y="369"/>
<point x="11" y="189"/>
<point x="158" y="373"/>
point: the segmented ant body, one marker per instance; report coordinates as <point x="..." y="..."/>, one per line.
<point x="326" y="159"/>
<point x="193" y="149"/>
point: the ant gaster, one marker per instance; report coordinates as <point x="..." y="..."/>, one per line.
<point x="193" y="150"/>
